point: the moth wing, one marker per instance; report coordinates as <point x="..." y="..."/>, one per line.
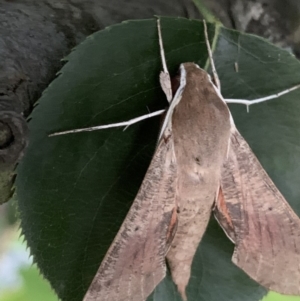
<point x="260" y="222"/>
<point x="135" y="261"/>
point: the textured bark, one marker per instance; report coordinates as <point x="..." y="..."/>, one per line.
<point x="276" y="20"/>
<point x="35" y="35"/>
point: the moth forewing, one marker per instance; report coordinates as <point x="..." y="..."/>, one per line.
<point x="265" y="229"/>
<point x="135" y="261"/>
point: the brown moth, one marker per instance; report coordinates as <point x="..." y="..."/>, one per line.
<point x="172" y="208"/>
<point x="201" y="165"/>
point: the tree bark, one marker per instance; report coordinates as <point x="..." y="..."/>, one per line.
<point x="35" y="35"/>
<point x="276" y="20"/>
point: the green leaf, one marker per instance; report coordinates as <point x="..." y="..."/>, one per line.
<point x="75" y="190"/>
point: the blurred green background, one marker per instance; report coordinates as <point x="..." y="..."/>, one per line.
<point x="20" y="279"/>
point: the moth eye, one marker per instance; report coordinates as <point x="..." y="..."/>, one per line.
<point x="270" y="208"/>
<point x="136" y="228"/>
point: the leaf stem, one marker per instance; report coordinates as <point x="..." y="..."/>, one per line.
<point x="206" y="13"/>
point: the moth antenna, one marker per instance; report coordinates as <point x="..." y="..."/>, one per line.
<point x="112" y="125"/>
<point x="161" y="47"/>
<point x="248" y="103"/>
<point x="164" y="77"/>
<point x="211" y="60"/>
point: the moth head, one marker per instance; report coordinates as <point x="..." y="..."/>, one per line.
<point x="191" y="72"/>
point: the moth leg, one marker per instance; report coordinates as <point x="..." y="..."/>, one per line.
<point x="164" y="77"/>
<point x="262" y="99"/>
<point x="112" y="125"/>
<point x="211" y="60"/>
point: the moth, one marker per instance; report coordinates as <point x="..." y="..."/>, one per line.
<point x="201" y="165"/>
